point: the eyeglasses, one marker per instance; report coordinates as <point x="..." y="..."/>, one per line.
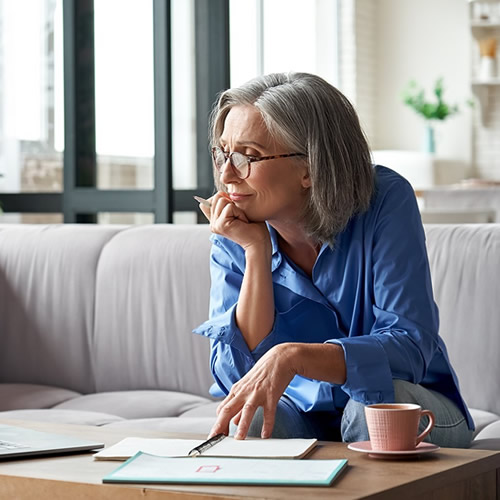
<point x="240" y="162"/>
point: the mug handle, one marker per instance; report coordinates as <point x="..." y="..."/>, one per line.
<point x="429" y="427"/>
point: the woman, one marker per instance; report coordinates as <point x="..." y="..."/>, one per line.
<point x="321" y="298"/>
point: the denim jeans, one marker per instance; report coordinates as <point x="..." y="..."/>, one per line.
<point x="290" y="422"/>
<point x="450" y="429"/>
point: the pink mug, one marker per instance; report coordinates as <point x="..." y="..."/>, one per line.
<point x="394" y="427"/>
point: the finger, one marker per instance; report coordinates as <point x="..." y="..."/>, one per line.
<point x="220" y="195"/>
<point x="247" y="414"/>
<point x="239" y="214"/>
<point x="230" y="212"/>
<point x="223" y="207"/>
<point x="224" y="417"/>
<point x="221" y="200"/>
<point x="223" y="221"/>
<point x="268" y="422"/>
<point x="205" y="205"/>
<point x="228" y="407"/>
<point x="218" y="205"/>
<point x="217" y="429"/>
<point x="228" y="399"/>
<point x="236" y="419"/>
<point x="205" y="210"/>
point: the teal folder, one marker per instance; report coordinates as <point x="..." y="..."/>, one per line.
<point x="144" y="468"/>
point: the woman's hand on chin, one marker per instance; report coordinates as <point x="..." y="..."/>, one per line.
<point x="230" y="221"/>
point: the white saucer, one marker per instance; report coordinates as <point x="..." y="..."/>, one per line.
<point x="365" y="447"/>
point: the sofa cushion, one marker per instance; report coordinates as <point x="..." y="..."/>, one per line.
<point x="464" y="261"/>
<point x="61" y="416"/>
<point x="22" y="396"/>
<point x="136" y="404"/>
<point x="207" y="410"/>
<point x="152" y="289"/>
<point x="482" y="419"/>
<point x="47" y="289"/>
<point x="486" y="444"/>
<point x="185" y="426"/>
<point x="491" y="431"/>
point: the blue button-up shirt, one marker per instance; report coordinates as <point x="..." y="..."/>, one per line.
<point x="371" y="293"/>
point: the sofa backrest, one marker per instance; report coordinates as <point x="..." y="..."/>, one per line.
<point x="465" y="267"/>
<point x="95" y="308"/>
<point x="152" y="289"/>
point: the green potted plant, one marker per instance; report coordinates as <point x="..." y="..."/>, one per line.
<point x="414" y="97"/>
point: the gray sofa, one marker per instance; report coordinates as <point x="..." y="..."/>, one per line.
<point x="95" y="323"/>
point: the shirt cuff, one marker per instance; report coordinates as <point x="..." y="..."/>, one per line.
<point x="216" y="391"/>
<point x="368" y="374"/>
<point x="223" y="328"/>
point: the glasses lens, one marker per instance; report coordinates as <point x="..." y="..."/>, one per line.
<point x="240" y="164"/>
<point x="219" y="158"/>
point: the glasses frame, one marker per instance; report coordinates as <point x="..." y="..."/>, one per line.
<point x="250" y="159"/>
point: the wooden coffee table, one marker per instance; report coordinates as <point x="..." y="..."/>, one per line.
<point x="446" y="474"/>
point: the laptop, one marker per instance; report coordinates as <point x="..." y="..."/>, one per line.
<point x="21" y="442"/>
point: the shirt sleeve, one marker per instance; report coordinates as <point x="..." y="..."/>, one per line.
<point x="404" y="335"/>
<point x="230" y="357"/>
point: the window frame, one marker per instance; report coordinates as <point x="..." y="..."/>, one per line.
<point x="81" y="201"/>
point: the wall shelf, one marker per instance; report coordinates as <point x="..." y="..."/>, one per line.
<point x="484" y="23"/>
<point x="490" y="81"/>
<point x="483" y="93"/>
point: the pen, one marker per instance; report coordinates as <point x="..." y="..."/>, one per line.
<point x="201" y="200"/>
<point x="198" y="450"/>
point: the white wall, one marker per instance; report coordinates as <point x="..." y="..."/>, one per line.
<point x="421" y="40"/>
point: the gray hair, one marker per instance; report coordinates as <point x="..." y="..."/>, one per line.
<point x="308" y="115"/>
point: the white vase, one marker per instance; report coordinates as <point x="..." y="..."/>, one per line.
<point x="487" y="68"/>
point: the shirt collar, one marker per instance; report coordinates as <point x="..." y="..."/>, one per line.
<point x="292" y="279"/>
<point x="276" y="255"/>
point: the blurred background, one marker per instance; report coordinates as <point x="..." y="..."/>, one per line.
<point x="104" y="104"/>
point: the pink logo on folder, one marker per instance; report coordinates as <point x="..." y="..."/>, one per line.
<point x="208" y="468"/>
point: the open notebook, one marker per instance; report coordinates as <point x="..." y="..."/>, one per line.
<point x="228" y="447"/>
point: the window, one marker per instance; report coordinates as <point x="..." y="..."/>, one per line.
<point x="104" y="104"/>
<point x="184" y="90"/>
<point x="269" y="36"/>
<point x="30" y="76"/>
<point x="124" y="89"/>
